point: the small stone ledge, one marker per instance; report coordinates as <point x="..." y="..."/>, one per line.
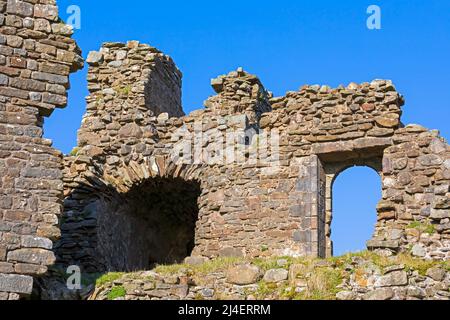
<point x="334" y="150"/>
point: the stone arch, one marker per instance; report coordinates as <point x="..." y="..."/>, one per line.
<point x="146" y="217"/>
<point x="374" y="165"/>
<point x="123" y="176"/>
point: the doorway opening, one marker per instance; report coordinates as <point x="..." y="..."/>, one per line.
<point x="355" y="192"/>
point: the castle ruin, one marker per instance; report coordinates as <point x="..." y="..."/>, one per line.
<point x="249" y="175"/>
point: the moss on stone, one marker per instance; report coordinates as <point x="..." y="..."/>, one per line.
<point x="124" y="91"/>
<point x="423" y="227"/>
<point x="116" y="292"/>
<point x="109" y="278"/>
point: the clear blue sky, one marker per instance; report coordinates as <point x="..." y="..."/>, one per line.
<point x="287" y="44"/>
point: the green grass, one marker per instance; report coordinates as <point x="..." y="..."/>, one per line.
<point x="268" y="263"/>
<point x="419" y="265"/>
<point x="424" y="227"/>
<point x="74" y="152"/>
<point x="210" y="266"/>
<point x="221" y="264"/>
<point x="430" y="229"/>
<point x="321" y="284"/>
<point x="109" y="278"/>
<point x="410" y="262"/>
<point x="124" y="91"/>
<point x="321" y="280"/>
<point x="116" y="292"/>
<point x="266" y="289"/>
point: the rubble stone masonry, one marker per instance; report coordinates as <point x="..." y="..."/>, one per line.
<point x="36" y="58"/>
<point x="276" y="204"/>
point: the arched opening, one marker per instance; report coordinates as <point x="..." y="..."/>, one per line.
<point x="355" y="194"/>
<point x="154" y="223"/>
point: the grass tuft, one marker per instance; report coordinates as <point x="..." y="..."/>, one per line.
<point x="423" y="227"/>
<point x="116" y="292"/>
<point x="74" y="152"/>
<point x="109" y="278"/>
<point x="210" y="266"/>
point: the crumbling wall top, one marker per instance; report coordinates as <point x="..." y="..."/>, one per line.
<point x="239" y="92"/>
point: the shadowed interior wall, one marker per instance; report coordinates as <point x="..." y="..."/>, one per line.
<point x="141" y="228"/>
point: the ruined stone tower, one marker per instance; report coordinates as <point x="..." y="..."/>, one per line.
<point x="36" y="57"/>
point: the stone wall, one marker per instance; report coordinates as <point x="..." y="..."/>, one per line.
<point x="359" y="277"/>
<point x="414" y="212"/>
<point x="239" y="202"/>
<point x="337" y="124"/>
<point x="36" y="57"/>
<point x="250" y="175"/>
<point x="343" y="127"/>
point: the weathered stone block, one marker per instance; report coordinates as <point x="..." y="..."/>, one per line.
<point x="276" y="275"/>
<point x="6" y="267"/>
<point x="302" y="236"/>
<point x="17" y="62"/>
<point x="419" y="250"/>
<point x="36" y="242"/>
<point x="54" y="99"/>
<point x="46" y="11"/>
<point x="430" y="160"/>
<point x="231" y="252"/>
<point x="380" y="244"/>
<point x="388" y="122"/>
<point x="16" y="283"/>
<point x="2" y="253"/>
<point x="54" y="68"/>
<point x="14" y="93"/>
<point x="244" y="274"/>
<point x="332" y="147"/>
<point x="437" y="214"/>
<point x="436" y="273"/>
<point x="130" y="130"/>
<point x="195" y="261"/>
<point x="20" y="8"/>
<point x="33" y="256"/>
<point x="3" y="80"/>
<point x="367" y="143"/>
<point x="52" y="78"/>
<point x="380" y="294"/>
<point x="396" y="278"/>
<point x="345" y="295"/>
<point x="29" y="269"/>
<point x="26" y="84"/>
